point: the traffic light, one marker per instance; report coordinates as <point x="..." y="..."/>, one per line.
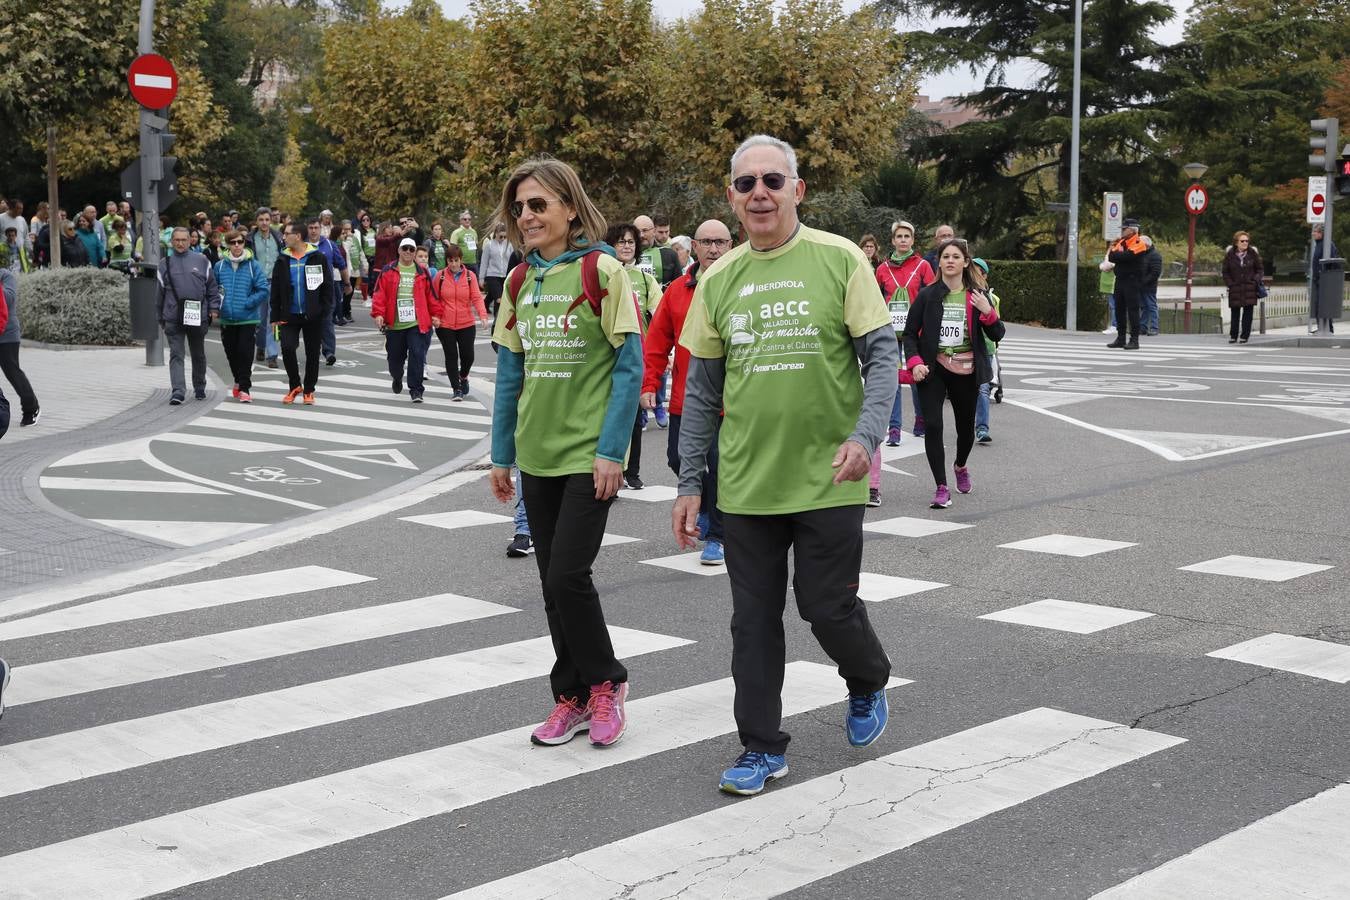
<point x="1325" y="139"/>
<point x="1343" y="174"/>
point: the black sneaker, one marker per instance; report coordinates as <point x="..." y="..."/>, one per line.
<point x="4" y="683"/>
<point x="176" y="400"/>
<point x="330" y="359"/>
<point x="520" y="545"/>
<point x="30" y="418"/>
<point x="398" y="385"/>
<point x="874" y="497"/>
<point x="258" y="356"/>
<point x="200" y="395"/>
<point x="416" y="398"/>
<point x="633" y="482"/>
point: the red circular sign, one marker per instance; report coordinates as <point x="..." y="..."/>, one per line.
<point x="1197" y="200"/>
<point x="1318" y="204"/>
<point x="153" y="81"/>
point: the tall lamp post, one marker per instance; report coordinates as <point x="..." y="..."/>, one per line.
<point x="1194" y="171"/>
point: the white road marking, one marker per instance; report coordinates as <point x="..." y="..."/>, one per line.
<point x="124" y="485"/>
<point x="460" y="518"/>
<point x="133" y="665"/>
<point x="612" y="540"/>
<point x="1290" y="653"/>
<point x="118" y="746"/>
<point x="685" y="562"/>
<point x="1255" y="567"/>
<point x="182" y="598"/>
<point x="406" y="408"/>
<point x="324" y="467"/>
<point x="1066" y="615"/>
<point x="213" y="423"/>
<point x="1068" y="545"/>
<point x="379" y="457"/>
<point x="876" y="588"/>
<point x="184" y="534"/>
<point x="311" y="416"/>
<point x="216" y="442"/>
<point x="124" y="451"/>
<point x="254" y="829"/>
<point x="1300" y="851"/>
<point x="908" y="526"/>
<point x="795" y="835"/>
<point x="652" y="493"/>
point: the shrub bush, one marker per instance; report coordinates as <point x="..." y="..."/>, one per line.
<point x="75" y="306"/>
<point x="1033" y="292"/>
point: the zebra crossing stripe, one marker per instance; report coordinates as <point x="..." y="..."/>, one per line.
<point x="254" y="829"/>
<point x="182" y="598"/>
<point x="403" y="408"/>
<point x="216" y="442"/>
<point x="1300" y="851"/>
<point x="118" y="746"/>
<point x="117" y="668"/>
<point x="432" y="399"/>
<point x="311" y="417"/>
<point x="216" y="423"/>
<point x="793" y="836"/>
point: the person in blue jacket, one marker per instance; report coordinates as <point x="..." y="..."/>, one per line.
<point x="244" y="289"/>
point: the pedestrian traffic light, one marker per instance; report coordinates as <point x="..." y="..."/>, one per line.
<point x="1343" y="175"/>
<point x="1325" y="139"/>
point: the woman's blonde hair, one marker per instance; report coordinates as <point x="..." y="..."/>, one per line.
<point x="556" y="176"/>
<point x="1238" y="234"/>
<point x="972" y="276"/>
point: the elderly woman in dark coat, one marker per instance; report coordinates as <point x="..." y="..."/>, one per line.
<point x="1242" y="272"/>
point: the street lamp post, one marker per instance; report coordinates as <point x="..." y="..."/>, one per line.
<point x="1194" y="171"/>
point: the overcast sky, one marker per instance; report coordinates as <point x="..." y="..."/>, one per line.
<point x="946" y="85"/>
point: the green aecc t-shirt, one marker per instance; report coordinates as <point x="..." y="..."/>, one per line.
<point x="785" y="320"/>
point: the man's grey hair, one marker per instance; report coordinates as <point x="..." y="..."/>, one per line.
<point x="766" y="140"/>
<point x="262" y="210"/>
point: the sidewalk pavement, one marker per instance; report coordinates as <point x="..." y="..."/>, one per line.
<point x="76" y="388"/>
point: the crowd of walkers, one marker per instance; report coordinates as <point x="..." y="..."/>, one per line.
<point x="777" y="367"/>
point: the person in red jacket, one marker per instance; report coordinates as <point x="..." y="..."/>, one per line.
<point x="456" y="288"/>
<point x="904" y="269"/>
<point x="711" y="240"/>
<point x="405" y="309"/>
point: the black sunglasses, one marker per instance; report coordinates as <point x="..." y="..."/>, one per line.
<point x="236" y="241"/>
<point x="537" y="205"/>
<point x="774" y="181"/>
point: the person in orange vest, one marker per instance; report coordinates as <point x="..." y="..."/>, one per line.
<point x="1126" y="258"/>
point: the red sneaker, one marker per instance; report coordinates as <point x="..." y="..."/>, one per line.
<point x="309" y="398"/>
<point x="290" y="396"/>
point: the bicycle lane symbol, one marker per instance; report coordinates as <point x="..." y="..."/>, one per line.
<point x="274" y="475"/>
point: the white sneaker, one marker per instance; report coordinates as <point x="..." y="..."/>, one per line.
<point x="1108" y="331"/>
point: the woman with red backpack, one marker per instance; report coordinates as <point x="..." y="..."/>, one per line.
<point x="457" y="288"/>
<point x="569" y="371"/>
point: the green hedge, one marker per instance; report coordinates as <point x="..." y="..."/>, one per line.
<point x="1034" y="291"/>
<point x="75" y="306"/>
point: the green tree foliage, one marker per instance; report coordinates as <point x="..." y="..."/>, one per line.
<point x="290" y="190"/>
<point x="1007" y="167"/>
<point x="830" y="84"/>
<point x="574" y="78"/>
<point x="390" y="95"/>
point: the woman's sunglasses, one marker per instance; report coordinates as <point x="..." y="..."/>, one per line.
<point x="537" y="205"/>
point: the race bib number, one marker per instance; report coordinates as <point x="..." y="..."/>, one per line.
<point x="645" y="265"/>
<point x="407" y="312"/>
<point x="192" y="312"/>
<point x="898" y="316"/>
<point x="470" y="242"/>
<point x="953" y="330"/>
<point x="313" y="277"/>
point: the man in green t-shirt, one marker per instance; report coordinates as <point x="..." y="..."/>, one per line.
<point x="777" y="331"/>
<point x="467" y="239"/>
<point x="654" y="258"/>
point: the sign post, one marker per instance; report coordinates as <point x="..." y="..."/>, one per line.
<point x="1197" y="201"/>
<point x="1113" y="214"/>
<point x="1317" y="200"/>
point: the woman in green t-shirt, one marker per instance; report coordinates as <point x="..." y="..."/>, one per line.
<point x="946" y="354"/>
<point x="569" y="370"/>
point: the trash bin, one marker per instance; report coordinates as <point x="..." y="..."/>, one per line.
<point x="144" y="311"/>
<point x="1331" y="288"/>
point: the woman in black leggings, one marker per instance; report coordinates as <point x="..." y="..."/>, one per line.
<point x="946" y="355"/>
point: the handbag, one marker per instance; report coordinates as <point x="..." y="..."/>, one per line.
<point x="958" y="363"/>
<point x="1261" y="291"/>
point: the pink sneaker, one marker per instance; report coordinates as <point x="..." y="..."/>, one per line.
<point x="243" y="397"/>
<point x="567" y="718"/>
<point x="606" y="713"/>
<point x="234" y="391"/>
<point x="942" y="498"/>
<point x="963" y="484"/>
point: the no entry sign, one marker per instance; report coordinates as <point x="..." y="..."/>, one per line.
<point x="153" y="81"/>
<point x="1317" y="200"/>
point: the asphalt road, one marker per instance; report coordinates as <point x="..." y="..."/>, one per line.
<point x="198" y="742"/>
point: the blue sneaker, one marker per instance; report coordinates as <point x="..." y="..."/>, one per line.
<point x="751" y="769"/>
<point x="4" y="683"/>
<point x="713" y="555"/>
<point x="662" y="418"/>
<point x="704" y="523"/>
<point x="866" y="719"/>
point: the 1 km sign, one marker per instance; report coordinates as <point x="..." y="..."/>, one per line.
<point x="153" y="81"/>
